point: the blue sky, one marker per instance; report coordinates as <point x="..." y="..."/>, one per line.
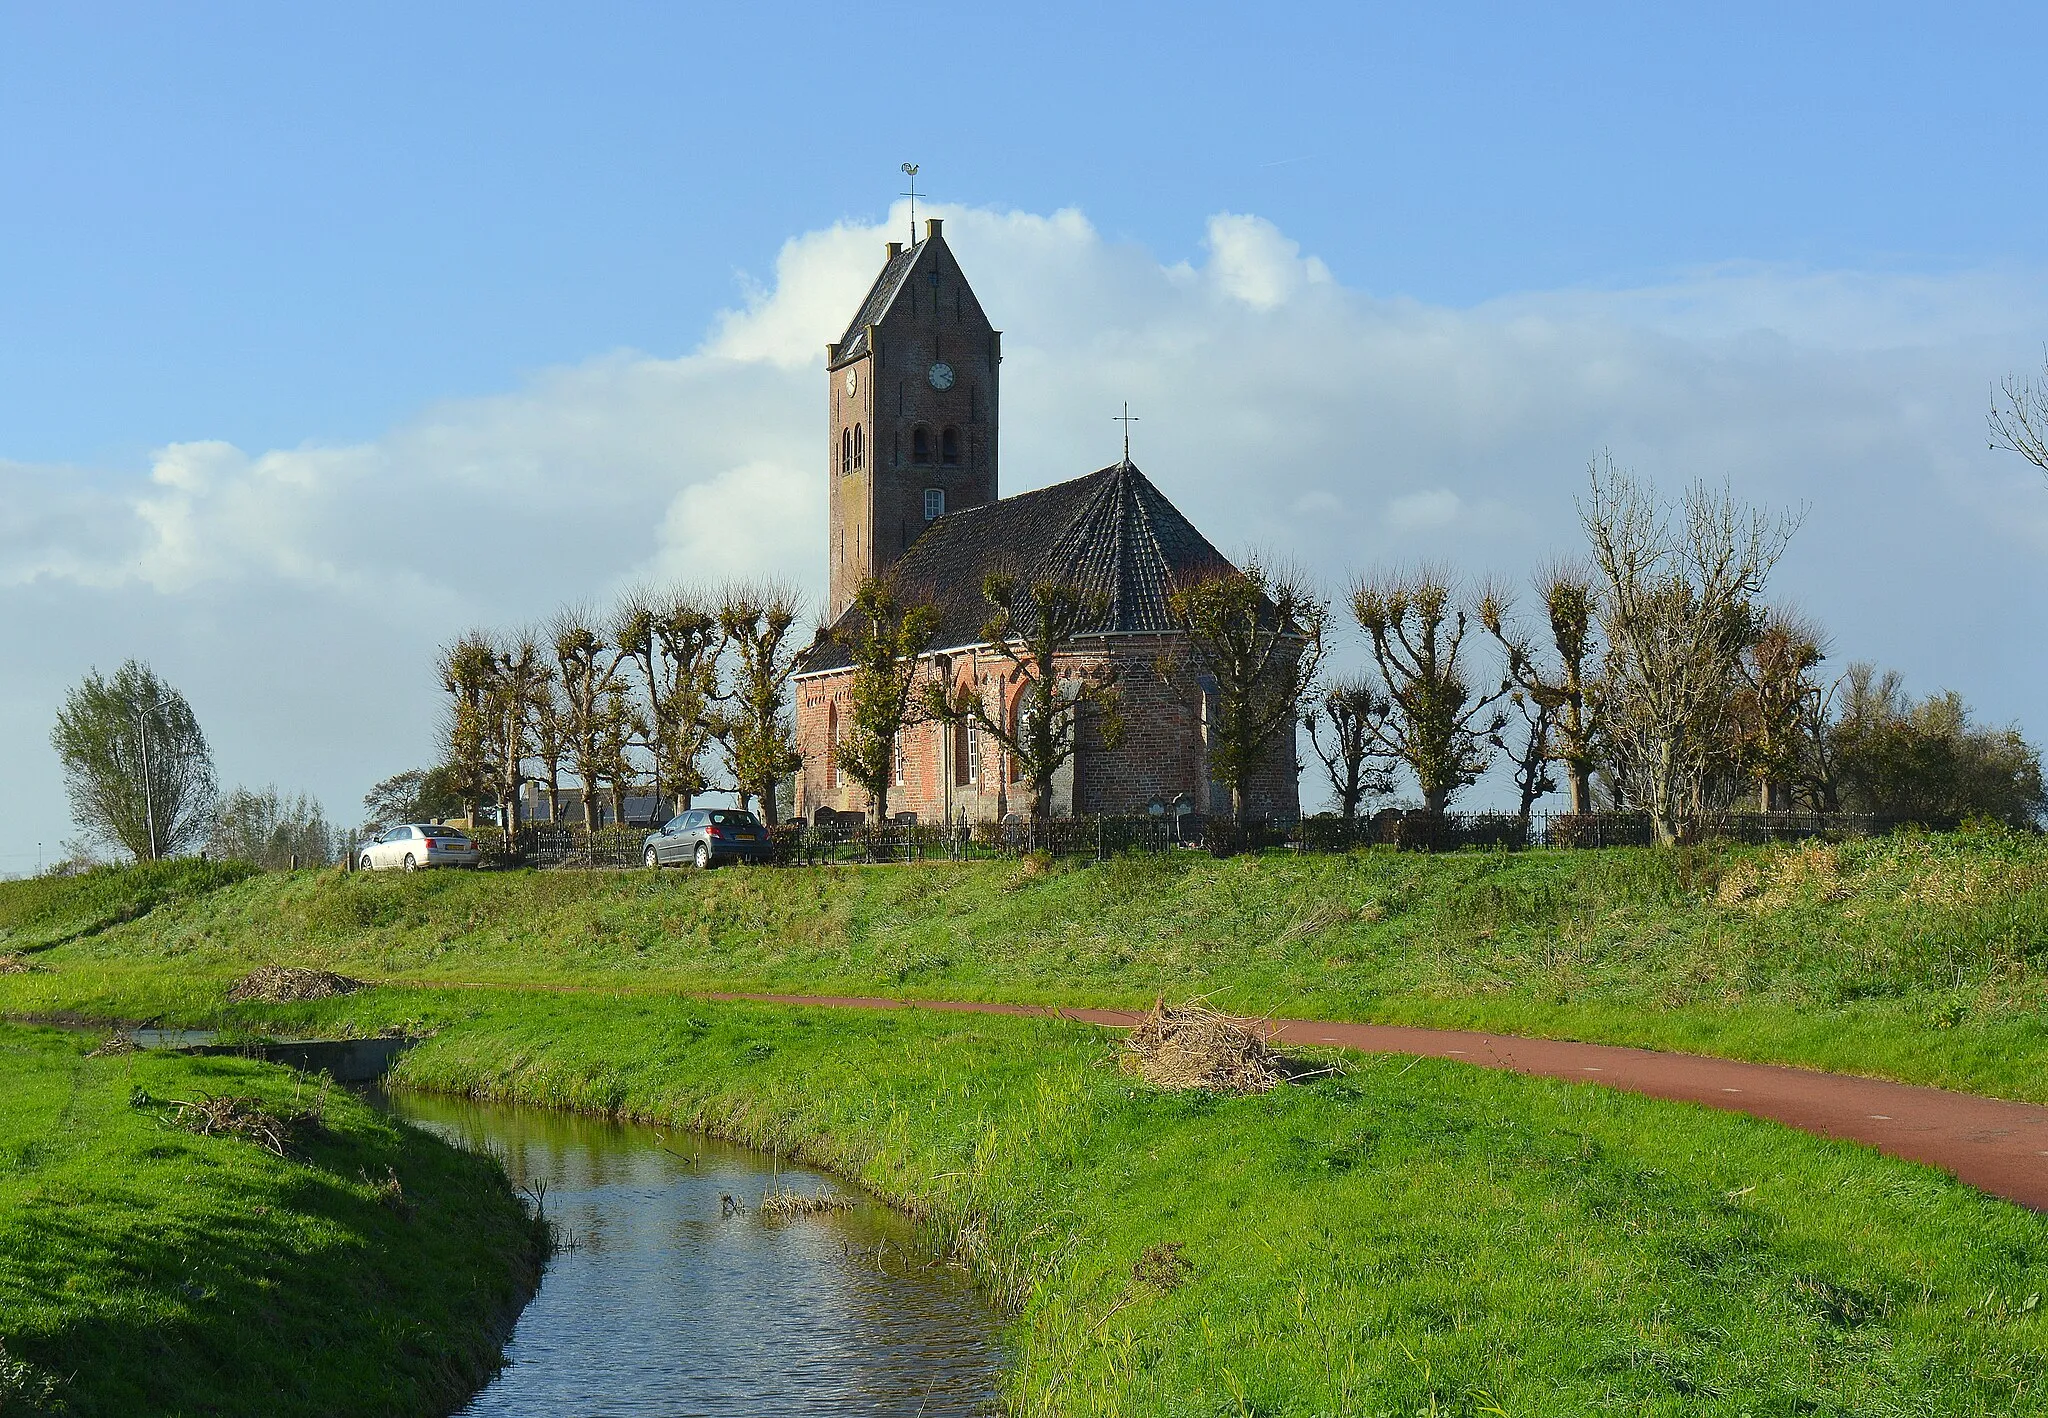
<point x="336" y="236"/>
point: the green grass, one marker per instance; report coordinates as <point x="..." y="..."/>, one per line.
<point x="1915" y="957"/>
<point x="145" y="1269"/>
<point x="1409" y="1238"/>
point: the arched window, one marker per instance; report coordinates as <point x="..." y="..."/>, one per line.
<point x="949" y="447"/>
<point x="832" y="746"/>
<point x="860" y="452"/>
<point x="920" y="445"/>
<point x="845" y="450"/>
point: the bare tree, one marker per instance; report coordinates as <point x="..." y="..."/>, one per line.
<point x="1356" y="759"/>
<point x="1677" y="600"/>
<point x="1560" y="681"/>
<point x="886" y="641"/>
<point x="1034" y="628"/>
<point x="1530" y="753"/>
<point x="755" y="731"/>
<point x="1259" y="635"/>
<point x="2019" y="418"/>
<point x="1440" y="726"/>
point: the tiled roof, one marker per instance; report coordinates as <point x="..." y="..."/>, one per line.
<point x="1112" y="532"/>
<point x="895" y="271"/>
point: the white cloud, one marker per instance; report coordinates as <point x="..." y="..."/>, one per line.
<point x="296" y="591"/>
<point x="1414" y="511"/>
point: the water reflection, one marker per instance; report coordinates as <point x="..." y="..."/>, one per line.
<point x="667" y="1305"/>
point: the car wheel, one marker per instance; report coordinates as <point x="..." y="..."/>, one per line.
<point x="653" y="860"/>
<point x="366" y="862"/>
<point x="410" y="864"/>
<point x="703" y="857"/>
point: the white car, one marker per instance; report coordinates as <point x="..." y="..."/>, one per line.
<point x="415" y="845"/>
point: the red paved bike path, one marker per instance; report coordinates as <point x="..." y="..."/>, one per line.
<point x="1997" y="1146"/>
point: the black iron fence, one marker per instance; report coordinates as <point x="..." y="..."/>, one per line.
<point x="821" y="844"/>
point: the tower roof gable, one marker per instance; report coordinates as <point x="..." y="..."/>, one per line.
<point x="1111" y="532"/>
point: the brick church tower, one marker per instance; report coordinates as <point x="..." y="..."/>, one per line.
<point x="912" y="388"/>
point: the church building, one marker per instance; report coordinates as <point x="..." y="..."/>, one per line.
<point x="912" y="390"/>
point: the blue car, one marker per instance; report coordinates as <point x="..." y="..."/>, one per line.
<point x="706" y="836"/>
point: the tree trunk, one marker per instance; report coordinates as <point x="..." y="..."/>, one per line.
<point x="1581" y="775"/>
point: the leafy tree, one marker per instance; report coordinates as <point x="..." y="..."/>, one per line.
<point x="416" y="795"/>
<point x="1034" y="626"/>
<point x="467" y="669"/>
<point x="1676" y="607"/>
<point x="136" y="766"/>
<point x="1355" y="757"/>
<point x="1558" y="684"/>
<point x="885" y="640"/>
<point x="1441" y="727"/>
<point x="1926" y="760"/>
<point x="1260" y="635"/>
<point x="674" y="643"/>
<point x="755" y="730"/>
<point x="271" y="830"/>
<point x="495" y="688"/>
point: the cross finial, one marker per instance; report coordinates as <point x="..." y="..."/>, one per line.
<point x="1126" y="418"/>
<point x="910" y="171"/>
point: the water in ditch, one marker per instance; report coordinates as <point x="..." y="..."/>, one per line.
<point x="672" y="1300"/>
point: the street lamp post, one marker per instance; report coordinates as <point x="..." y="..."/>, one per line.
<point x="148" y="789"/>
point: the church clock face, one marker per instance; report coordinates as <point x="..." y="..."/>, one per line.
<point x="852" y="382"/>
<point x="941" y="375"/>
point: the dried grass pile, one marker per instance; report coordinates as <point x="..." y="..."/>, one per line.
<point x="14" y="963"/>
<point x="122" y="1043"/>
<point x="1194" y="1046"/>
<point x="785" y="1204"/>
<point x="284" y="984"/>
<point x="237" y="1116"/>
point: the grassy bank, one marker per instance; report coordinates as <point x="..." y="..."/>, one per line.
<point x="1411" y="1237"/>
<point x="1913" y="957"/>
<point x="147" y="1269"/>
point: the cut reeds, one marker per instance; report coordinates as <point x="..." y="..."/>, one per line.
<point x="285" y="984"/>
<point x="1193" y="1046"/>
<point x="785" y="1204"/>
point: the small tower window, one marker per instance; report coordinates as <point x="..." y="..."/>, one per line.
<point x="920" y="445"/>
<point x="845" y="450"/>
<point x="860" y="452"/>
<point x="934" y="503"/>
<point x="949" y="447"/>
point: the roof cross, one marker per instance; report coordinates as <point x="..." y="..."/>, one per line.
<point x="1126" y="418"/>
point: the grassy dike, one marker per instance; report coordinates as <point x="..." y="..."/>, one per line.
<point x="1404" y="1238"/>
<point x="146" y="1269"/>
<point x="1916" y="957"/>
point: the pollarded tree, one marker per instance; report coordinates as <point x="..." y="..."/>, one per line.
<point x="674" y="642"/>
<point x="597" y="714"/>
<point x="885" y="640"/>
<point x="1777" y="704"/>
<point x="755" y="729"/>
<point x="136" y="766"/>
<point x="1441" y="727"/>
<point x="1559" y="682"/>
<point x="467" y="669"/>
<point x="1355" y="757"/>
<point x="1034" y="627"/>
<point x="1260" y="636"/>
<point x="495" y="689"/>
<point x="1678" y="591"/>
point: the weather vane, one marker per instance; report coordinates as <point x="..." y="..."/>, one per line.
<point x="910" y="171"/>
<point x="1126" y="418"/>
